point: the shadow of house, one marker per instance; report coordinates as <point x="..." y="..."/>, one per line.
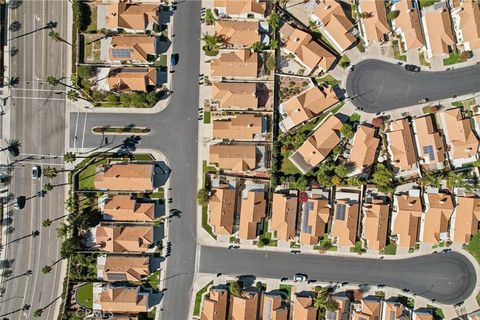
<point x="161" y="174"/>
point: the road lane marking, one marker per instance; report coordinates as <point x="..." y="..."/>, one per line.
<point x="84" y="129"/>
<point x="38" y="98"/>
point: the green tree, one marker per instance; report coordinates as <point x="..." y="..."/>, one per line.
<point x="38" y="313"/>
<point x="85" y="72"/>
<point x="273" y="21"/>
<point x="46" y="269"/>
<point x="258" y="47"/>
<point x="50" y="172"/>
<point x="48" y="186"/>
<point x="347" y="131"/>
<point x="55" y="36"/>
<point x="392" y="15"/>
<point x="209" y="17"/>
<point x="97" y="95"/>
<point x="234" y="288"/>
<point x="51" y="80"/>
<point x="62" y="231"/>
<point x="302" y="183"/>
<point x="476" y="163"/>
<point x="151" y="97"/>
<point x="430" y="180"/>
<point x="112" y="98"/>
<point x="273" y="44"/>
<point x="383" y="178"/>
<point x="211" y="42"/>
<point x="137" y="99"/>
<point x="271" y="63"/>
<point x="355" y="181"/>
<point x="73" y="95"/>
<point x="341" y="171"/>
<point x="47" y="223"/>
<point x="455" y="180"/>
<point x="69" y="246"/>
<point x="330" y="305"/>
<point x="203" y="197"/>
<point x="336" y="180"/>
<point x="125" y="99"/>
<point x="69" y="157"/>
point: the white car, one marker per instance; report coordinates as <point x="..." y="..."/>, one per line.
<point x="36" y="172"/>
<point x="298" y="277"/>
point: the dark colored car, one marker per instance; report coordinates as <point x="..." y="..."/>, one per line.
<point x="20" y="202"/>
<point x="412" y="68"/>
<point x="174" y="59"/>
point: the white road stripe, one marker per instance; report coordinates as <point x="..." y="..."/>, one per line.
<point x="84" y="129"/>
<point x="38" y="98"/>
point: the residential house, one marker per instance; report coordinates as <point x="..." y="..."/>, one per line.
<point x="252" y="212"/>
<point x="123" y="268"/>
<point x="237" y="34"/>
<point x="309" y="53"/>
<point x="334" y="24"/>
<point x="127" y="208"/>
<point x="221" y="209"/>
<point x="125" y="177"/>
<point x="236" y="64"/>
<point x="364" y="150"/>
<point x="318" y="146"/>
<point x="236" y="95"/>
<point x="375" y="223"/>
<point x="284" y="215"/>
<point x="422" y="314"/>
<point x="214" y="306"/>
<point x="241" y="9"/>
<point x="368" y="309"/>
<point x="131" y="17"/>
<point x="375" y="25"/>
<point x="466" y="22"/>
<point x="124" y="300"/>
<point x="124" y="238"/>
<point x="315" y="216"/>
<point x="304" y="307"/>
<point x="467" y="218"/>
<point x="233" y="157"/>
<point x="245" y="126"/>
<point x="343" y="309"/>
<point x="407" y="24"/>
<point x="462" y="143"/>
<point x="438" y="29"/>
<point x="345" y="218"/>
<point x="140" y="49"/>
<point x="406" y="218"/>
<point x="274" y="308"/>
<point x="401" y="147"/>
<point x="305" y="106"/>
<point x="430" y="144"/>
<point x="132" y="79"/>
<point x="437" y="217"/>
<point x="392" y="309"/>
<point x="246" y="306"/>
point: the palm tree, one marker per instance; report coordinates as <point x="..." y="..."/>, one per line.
<point x="46" y="269"/>
<point x="73" y="95"/>
<point x="12" y="144"/>
<point x="48" y="186"/>
<point x="273" y="21"/>
<point x="51" y="80"/>
<point x="50" y="172"/>
<point x="211" y="42"/>
<point x="54" y="36"/>
<point x="12" y="82"/>
<point x="47" y="223"/>
<point x="62" y="231"/>
<point x="38" y="313"/>
<point x="69" y="157"/>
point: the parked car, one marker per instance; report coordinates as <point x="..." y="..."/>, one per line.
<point x="446" y="250"/>
<point x="20" y="202"/>
<point x="424" y="100"/>
<point x="412" y="68"/>
<point x="174" y="59"/>
<point x="295" y="252"/>
<point x="299" y="277"/>
<point x="36" y="172"/>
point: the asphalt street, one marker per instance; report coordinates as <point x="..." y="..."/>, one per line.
<point x="447" y="277"/>
<point x="378" y="86"/>
<point x="37" y="120"/>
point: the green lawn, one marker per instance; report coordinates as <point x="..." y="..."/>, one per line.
<point x="355" y="117"/>
<point x="154" y="279"/>
<point x="457" y="103"/>
<point x="454" y="58"/>
<point x="437" y="312"/>
<point x="287" y="166"/>
<point x="160" y="194"/>
<point x="344" y="62"/>
<point x="287" y="289"/>
<point x="163" y="60"/>
<point x="199" y="297"/>
<point x="474" y="246"/>
<point x="265" y="239"/>
<point x="207" y="117"/>
<point x="397" y="54"/>
<point x="390" y="249"/>
<point x="424" y="61"/>
<point x="478" y="298"/>
<point x="205" y="224"/>
<point x="357" y="248"/>
<point x="331" y="81"/>
<point x="93" y="23"/>
<point x="84" y="295"/>
<point x="427" y="3"/>
<point x="207" y="169"/>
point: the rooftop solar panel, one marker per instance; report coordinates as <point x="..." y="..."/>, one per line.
<point x="340" y="212"/>
<point x="429" y="150"/>
<point x="121" y="53"/>
<point x="116" y="276"/>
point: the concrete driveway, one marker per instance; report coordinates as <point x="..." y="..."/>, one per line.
<point x="378" y="86"/>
